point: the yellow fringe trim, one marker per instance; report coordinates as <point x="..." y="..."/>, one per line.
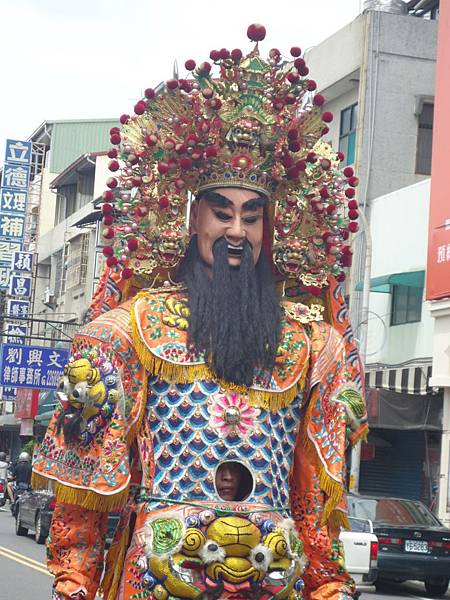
<point x="85" y="498"/>
<point x="132" y="432"/>
<point x="332" y="488"/>
<point x="175" y="373"/>
<point x="113" y="567"/>
<point x="338" y="519"/>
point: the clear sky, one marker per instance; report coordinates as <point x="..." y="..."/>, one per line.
<point x="69" y="59"/>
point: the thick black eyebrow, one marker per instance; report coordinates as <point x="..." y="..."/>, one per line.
<point x="255" y="203"/>
<point x="224" y="202"/>
<point x="217" y="199"/>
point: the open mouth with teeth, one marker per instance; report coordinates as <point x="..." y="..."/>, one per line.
<point x="235" y="250"/>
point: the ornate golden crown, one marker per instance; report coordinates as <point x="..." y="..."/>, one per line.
<point x="255" y="124"/>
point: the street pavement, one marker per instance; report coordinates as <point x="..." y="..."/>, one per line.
<point x="23" y="572"/>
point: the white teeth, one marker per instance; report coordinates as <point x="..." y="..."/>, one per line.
<point x="235" y="247"/>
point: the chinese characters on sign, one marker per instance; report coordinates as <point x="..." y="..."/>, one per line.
<point x="20" y="286"/>
<point x="13" y="203"/>
<point x="22" y="261"/>
<point x="443" y="253"/>
<point x="32" y="366"/>
<point x="17" y="309"/>
<point x="15" y="334"/>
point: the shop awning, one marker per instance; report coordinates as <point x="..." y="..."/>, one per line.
<point x="411" y="379"/>
<point x="9" y="421"/>
<point x="384" y="283"/>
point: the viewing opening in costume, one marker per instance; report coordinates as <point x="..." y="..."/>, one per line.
<point x="212" y="394"/>
<point x="234" y="481"/>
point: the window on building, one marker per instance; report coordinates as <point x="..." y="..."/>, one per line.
<point x="66" y="200"/>
<point x="77" y="261"/>
<point x="347" y="133"/>
<point x="425" y="139"/>
<point x="406" y="304"/>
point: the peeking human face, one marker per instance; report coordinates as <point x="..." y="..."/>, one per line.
<point x="228" y="480"/>
<point x="234" y="214"/>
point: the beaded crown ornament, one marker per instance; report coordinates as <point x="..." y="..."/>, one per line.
<point x="241" y="122"/>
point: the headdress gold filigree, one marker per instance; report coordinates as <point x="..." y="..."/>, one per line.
<point x="255" y="124"/>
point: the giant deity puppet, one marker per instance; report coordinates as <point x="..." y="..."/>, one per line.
<point x="202" y="400"/>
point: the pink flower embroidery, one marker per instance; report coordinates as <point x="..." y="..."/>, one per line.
<point x="231" y="413"/>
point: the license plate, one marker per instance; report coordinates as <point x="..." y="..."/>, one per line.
<point x="416" y="546"/>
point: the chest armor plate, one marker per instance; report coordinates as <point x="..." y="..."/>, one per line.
<point x="197" y="426"/>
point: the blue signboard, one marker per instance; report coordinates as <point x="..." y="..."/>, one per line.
<point x="16" y="176"/>
<point x="20" y="286"/>
<point x="22" y="261"/>
<point x="18" y="151"/>
<point x="9" y="393"/>
<point x="5" y="274"/>
<point x="32" y="366"/>
<point x="17" y="309"/>
<point x="12" y="227"/>
<point x="15" y="333"/>
<point x="13" y="201"/>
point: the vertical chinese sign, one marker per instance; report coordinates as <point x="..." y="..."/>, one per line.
<point x="438" y="267"/>
<point x="13" y="204"/>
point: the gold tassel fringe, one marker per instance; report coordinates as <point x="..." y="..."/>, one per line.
<point x="332" y="488"/>
<point x="115" y="559"/>
<point x="175" y="373"/>
<point x="85" y="498"/>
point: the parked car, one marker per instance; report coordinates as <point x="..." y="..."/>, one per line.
<point x="35" y="511"/>
<point x="360" y="551"/>
<point x="413" y="543"/>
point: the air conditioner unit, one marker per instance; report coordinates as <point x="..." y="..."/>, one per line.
<point x="49" y="299"/>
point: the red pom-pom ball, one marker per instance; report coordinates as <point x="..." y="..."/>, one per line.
<point x="348" y="171"/>
<point x="124" y="119"/>
<point x="113" y="165"/>
<point x="205" y="68"/>
<point x="108" y="196"/>
<point x="115" y="139"/>
<point x="111" y="261"/>
<point x="140" y="107"/>
<point x="214" y="55"/>
<point x="340" y="155"/>
<point x="318" y="100"/>
<point x="132" y="244"/>
<point x="327" y="117"/>
<point x="149" y="93"/>
<point x="172" y="84"/>
<point x="163" y="168"/>
<point x="236" y="55"/>
<point x="211" y="152"/>
<point x="256" y="32"/>
<point x="353" y="227"/>
<point x="299" y="63"/>
<point x="111" y="182"/>
<point x="353" y="181"/>
<point x="127" y="273"/>
<point x="353" y="204"/>
<point x="311" y="85"/>
<point x="107" y="209"/>
<point x="163" y="202"/>
<point x="108" y="233"/>
<point x="112" y="153"/>
<point x="353" y="215"/>
<point x="108" y="251"/>
<point x="224" y="54"/>
<point x="108" y="220"/>
<point x="350" y="192"/>
<point x="295" y="51"/>
<point x="190" y="65"/>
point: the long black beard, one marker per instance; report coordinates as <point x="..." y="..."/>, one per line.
<point x="235" y="316"/>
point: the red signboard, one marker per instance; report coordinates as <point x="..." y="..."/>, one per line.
<point x="26" y="403"/>
<point x="438" y="267"/>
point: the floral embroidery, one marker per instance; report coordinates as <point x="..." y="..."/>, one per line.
<point x="231" y="413"/>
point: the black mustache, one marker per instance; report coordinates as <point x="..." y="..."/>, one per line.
<point x="222" y="242"/>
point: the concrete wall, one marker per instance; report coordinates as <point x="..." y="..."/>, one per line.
<point x="399" y="225"/>
<point x="342" y="53"/>
<point x="400" y="68"/>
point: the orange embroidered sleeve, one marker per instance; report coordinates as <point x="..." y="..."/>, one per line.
<point x="334" y="416"/>
<point x="75" y="550"/>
